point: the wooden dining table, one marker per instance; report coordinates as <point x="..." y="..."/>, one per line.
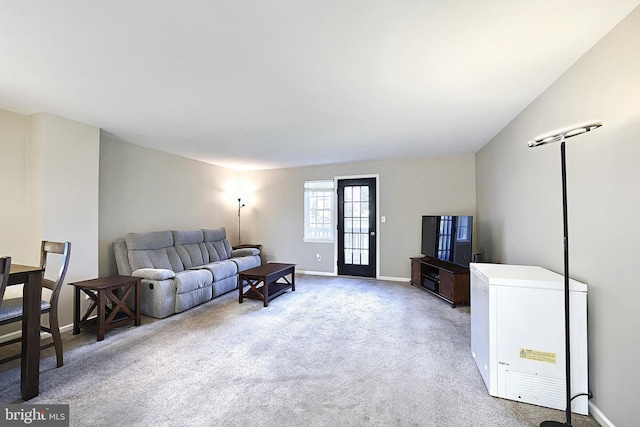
<point x="31" y="277"/>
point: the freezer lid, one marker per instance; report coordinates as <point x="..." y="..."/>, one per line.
<point x="525" y="276"/>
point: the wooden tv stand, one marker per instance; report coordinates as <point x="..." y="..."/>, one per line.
<point x="442" y="279"/>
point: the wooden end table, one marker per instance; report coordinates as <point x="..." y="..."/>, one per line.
<point x="267" y="275"/>
<point x="101" y="292"/>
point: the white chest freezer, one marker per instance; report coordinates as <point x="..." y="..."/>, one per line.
<point x="517" y="334"/>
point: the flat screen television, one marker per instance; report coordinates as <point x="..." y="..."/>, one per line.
<point x="448" y="238"/>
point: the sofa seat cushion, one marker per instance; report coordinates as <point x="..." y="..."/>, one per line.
<point x="190" y="280"/>
<point x="221" y="269"/>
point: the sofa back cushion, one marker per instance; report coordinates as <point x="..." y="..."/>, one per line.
<point x="153" y="250"/>
<point x="190" y="247"/>
<point x="217" y="245"/>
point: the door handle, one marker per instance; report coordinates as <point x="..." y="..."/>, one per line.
<point x="373" y="233"/>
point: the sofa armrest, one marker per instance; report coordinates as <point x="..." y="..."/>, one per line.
<point x="154" y="273"/>
<point x="244" y="252"/>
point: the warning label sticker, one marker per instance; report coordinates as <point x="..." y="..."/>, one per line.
<point x="538" y="356"/>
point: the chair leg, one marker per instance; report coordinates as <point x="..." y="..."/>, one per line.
<point x="57" y="338"/>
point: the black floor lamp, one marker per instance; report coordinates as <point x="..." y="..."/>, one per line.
<point x="240" y="206"/>
<point x="561" y="136"/>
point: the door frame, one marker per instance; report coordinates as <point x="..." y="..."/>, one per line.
<point x="378" y="231"/>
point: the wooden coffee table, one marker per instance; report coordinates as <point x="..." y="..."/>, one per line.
<point x="263" y="282"/>
<point x="101" y="291"/>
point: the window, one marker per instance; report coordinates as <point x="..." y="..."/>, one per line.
<point x="318" y="211"/>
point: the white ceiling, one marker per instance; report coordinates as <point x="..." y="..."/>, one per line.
<point x="252" y="84"/>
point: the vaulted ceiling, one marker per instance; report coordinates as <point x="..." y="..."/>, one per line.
<point x="251" y="84"/>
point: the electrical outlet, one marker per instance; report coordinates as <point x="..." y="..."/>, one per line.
<point x="318" y="257"/>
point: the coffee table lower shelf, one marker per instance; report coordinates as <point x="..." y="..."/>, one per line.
<point x="275" y="289"/>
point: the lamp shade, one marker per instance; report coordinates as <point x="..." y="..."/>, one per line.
<point x="568" y="132"/>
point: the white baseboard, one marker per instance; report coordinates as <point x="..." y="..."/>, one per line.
<point x="325" y="273"/>
<point x="43" y="335"/>
<point x="599" y="416"/>
<point x="316" y="273"/>
<point x="394" y="279"/>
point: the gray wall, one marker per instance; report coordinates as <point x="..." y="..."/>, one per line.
<point x="143" y="190"/>
<point x="14" y="179"/>
<point x="519" y="204"/>
<point x="50" y="170"/>
<point x="407" y="189"/>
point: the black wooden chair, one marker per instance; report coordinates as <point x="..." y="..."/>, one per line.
<point x="11" y="309"/>
<point x="5" y="266"/>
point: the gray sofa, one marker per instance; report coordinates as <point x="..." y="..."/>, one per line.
<point x="181" y="269"/>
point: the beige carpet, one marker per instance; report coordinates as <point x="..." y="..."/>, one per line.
<point x="337" y="352"/>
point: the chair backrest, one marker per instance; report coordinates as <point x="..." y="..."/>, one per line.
<point x="60" y="248"/>
<point x="5" y="266"/>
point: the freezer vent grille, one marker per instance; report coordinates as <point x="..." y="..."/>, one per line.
<point x="536" y="389"/>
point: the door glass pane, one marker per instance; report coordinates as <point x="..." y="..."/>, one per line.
<point x="356" y="225"/>
<point x="348" y="225"/>
<point x="348" y="209"/>
<point x="364" y="257"/>
<point x="356" y="209"/>
<point x="356" y="257"/>
<point x="364" y="241"/>
<point x="364" y="209"/>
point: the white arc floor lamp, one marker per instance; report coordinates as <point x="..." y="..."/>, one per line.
<point x="560" y="136"/>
